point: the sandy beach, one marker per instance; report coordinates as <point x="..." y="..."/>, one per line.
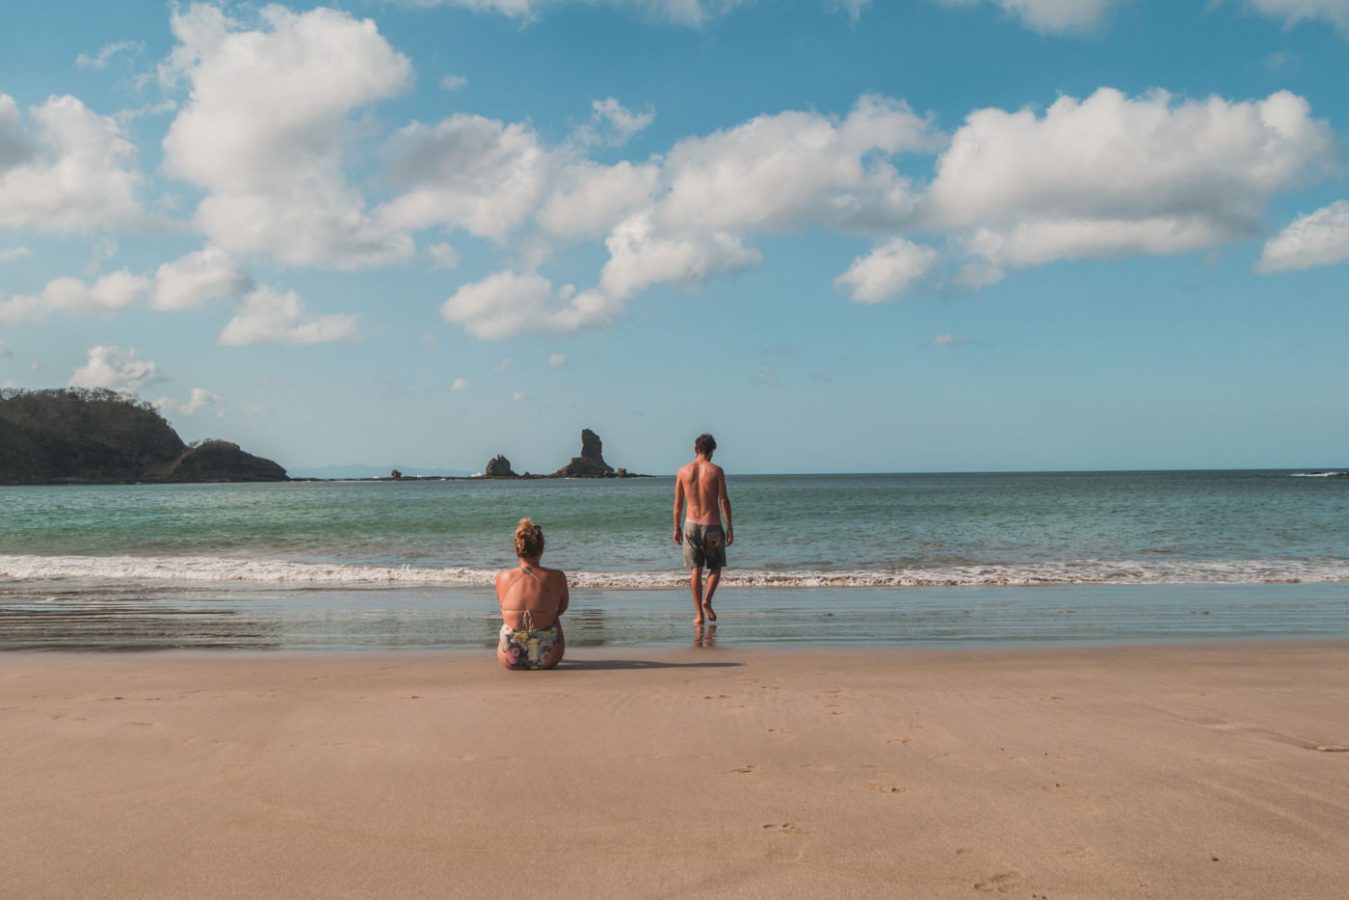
<point x="1209" y="771"/>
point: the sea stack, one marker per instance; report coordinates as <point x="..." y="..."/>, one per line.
<point x="499" y="467"/>
<point x="590" y="464"/>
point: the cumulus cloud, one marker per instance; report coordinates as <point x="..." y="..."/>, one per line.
<point x="468" y="172"/>
<point x="557" y="360"/>
<point x="504" y="304"/>
<point x="641" y="255"/>
<point x="199" y="399"/>
<point x="1291" y="12"/>
<point x="109" y="294"/>
<point x="453" y="82"/>
<point x="267" y="315"/>
<point x="109" y="366"/>
<point x="266" y="126"/>
<point x="459" y="385"/>
<point x="1112" y="175"/>
<point x="589" y="199"/>
<point x="887" y="271"/>
<point x="1052" y="16"/>
<point x="1317" y="239"/>
<point x="66" y="169"/>
<point x="12" y="253"/>
<point x="786" y="171"/>
<point x="202" y="275"/>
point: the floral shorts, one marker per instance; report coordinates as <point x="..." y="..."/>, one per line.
<point x="528" y="649"/>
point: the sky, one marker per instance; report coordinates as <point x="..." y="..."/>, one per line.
<point x="841" y="235"/>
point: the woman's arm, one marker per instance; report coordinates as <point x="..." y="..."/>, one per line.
<point x="566" y="594"/>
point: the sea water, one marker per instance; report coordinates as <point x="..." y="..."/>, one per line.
<point x="876" y="559"/>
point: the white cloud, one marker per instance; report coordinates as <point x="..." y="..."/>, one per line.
<point x="1317" y="239"/>
<point x="590" y="198"/>
<point x="640" y="256"/>
<point x="691" y="13"/>
<point x="443" y="256"/>
<point x="453" y="82"/>
<point x="887" y="271"/>
<point x="517" y="396"/>
<point x="945" y="339"/>
<point x="109" y="366"/>
<point x="1052" y="16"/>
<point x="502" y="305"/>
<point x="271" y="316"/>
<point x="1336" y="12"/>
<point x="12" y="253"/>
<point x="1110" y="175"/>
<point x="69" y="170"/>
<point x="466" y="172"/>
<point x="105" y="55"/>
<point x="266" y="127"/>
<point x="557" y="360"/>
<point x="109" y="294"/>
<point x="199" y="399"/>
<point x="612" y="124"/>
<point x="202" y="275"/>
<point x="786" y="171"/>
<point x="459" y="385"/>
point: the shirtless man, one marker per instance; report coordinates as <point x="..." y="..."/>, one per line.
<point x="702" y="486"/>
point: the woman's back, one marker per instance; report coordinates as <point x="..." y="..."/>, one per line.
<point x="531" y="597"/>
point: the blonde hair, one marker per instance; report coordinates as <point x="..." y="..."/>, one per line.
<point x="528" y="540"/>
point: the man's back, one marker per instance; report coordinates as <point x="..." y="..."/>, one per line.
<point x="704" y="485"/>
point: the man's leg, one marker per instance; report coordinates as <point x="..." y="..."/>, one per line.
<point x="696" y="584"/>
<point x="713" y="579"/>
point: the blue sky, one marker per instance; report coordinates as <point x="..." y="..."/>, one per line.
<point x="929" y="235"/>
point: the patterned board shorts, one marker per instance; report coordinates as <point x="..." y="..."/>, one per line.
<point x="704" y="546"/>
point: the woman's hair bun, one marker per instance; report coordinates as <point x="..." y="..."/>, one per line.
<point x="528" y="539"/>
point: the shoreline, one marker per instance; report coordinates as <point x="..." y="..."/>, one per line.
<point x="1195" y="771"/>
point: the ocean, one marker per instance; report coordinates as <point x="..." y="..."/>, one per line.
<point x="942" y="559"/>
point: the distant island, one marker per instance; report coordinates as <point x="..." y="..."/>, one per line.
<point x="77" y="436"/>
<point x="590" y="464"/>
<point x="74" y="436"/>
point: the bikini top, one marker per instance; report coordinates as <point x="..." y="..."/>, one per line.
<point x="527" y="615"/>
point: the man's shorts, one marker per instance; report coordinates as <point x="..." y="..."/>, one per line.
<point x="704" y="546"/>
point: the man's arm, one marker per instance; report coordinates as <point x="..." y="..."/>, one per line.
<point x="678" y="507"/>
<point x="725" y="500"/>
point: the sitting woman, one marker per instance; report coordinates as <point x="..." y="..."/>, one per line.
<point x="531" y="599"/>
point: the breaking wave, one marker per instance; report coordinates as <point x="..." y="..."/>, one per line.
<point x="209" y="569"/>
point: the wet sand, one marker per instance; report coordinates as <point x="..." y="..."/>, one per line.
<point x="1186" y="772"/>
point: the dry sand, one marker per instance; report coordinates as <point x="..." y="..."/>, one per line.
<point x="1185" y="772"/>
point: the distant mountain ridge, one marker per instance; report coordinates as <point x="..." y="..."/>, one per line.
<point x="73" y="436"/>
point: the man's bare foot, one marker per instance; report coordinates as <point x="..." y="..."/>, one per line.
<point x="711" y="613"/>
<point x="698" y="620"/>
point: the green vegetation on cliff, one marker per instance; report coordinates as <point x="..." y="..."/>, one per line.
<point x="88" y="437"/>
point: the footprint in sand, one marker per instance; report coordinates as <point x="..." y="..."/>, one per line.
<point x="899" y="740"/>
<point x="887" y="787"/>
<point x="1001" y="883"/>
<point x="782" y="828"/>
<point x="743" y="770"/>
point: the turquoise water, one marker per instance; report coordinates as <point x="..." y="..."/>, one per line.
<point x="884" y="558"/>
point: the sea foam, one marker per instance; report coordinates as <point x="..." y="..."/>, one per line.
<point x="157" y="570"/>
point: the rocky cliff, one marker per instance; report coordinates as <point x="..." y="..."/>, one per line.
<point x="100" y="437"/>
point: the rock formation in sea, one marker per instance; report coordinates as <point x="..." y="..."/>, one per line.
<point x="590" y="464"/>
<point x="499" y="467"/>
<point x="70" y="436"/>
